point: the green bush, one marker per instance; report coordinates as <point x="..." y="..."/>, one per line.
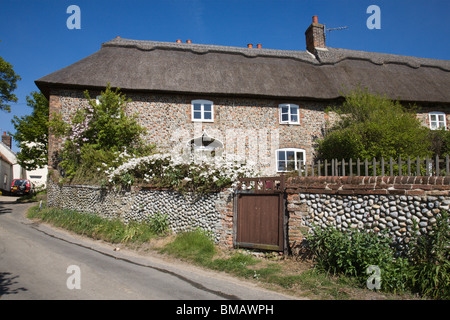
<point x="349" y="253"/>
<point x="101" y="135"/>
<point x="371" y="125"/>
<point x="159" y="223"/>
<point x="431" y="260"/>
<point x="425" y="269"/>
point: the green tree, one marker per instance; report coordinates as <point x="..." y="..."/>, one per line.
<point x="98" y="133"/>
<point x="440" y="142"/>
<point x="32" y="133"/>
<point x="371" y="125"/>
<point x="8" y="80"/>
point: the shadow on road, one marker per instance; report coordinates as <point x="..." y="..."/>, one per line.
<point x="7" y="282"/>
<point x="5" y="202"/>
<point x="4" y="210"/>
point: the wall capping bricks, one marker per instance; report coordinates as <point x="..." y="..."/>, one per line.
<point x="387" y="185"/>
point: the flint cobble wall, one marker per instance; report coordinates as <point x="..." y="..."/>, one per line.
<point x="212" y="212"/>
<point x="248" y="127"/>
<point x="396" y="205"/>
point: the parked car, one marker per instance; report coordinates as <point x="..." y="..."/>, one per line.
<point x="22" y="186"/>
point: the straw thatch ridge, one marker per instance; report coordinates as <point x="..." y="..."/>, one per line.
<point x="153" y="66"/>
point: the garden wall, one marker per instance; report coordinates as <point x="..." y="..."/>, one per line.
<point x="390" y="204"/>
<point x="212" y="212"/>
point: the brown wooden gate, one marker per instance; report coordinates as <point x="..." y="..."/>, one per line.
<point x="259" y="214"/>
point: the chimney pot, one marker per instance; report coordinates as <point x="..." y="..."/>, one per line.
<point x="315" y="37"/>
<point x="249" y="45"/>
<point x="259" y="46"/>
<point x="178" y="41"/>
<point x="7" y="139"/>
<point x="188" y="41"/>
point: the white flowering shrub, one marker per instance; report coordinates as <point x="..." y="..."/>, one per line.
<point x="97" y="133"/>
<point x="193" y="172"/>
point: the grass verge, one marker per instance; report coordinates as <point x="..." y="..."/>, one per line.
<point x="93" y="226"/>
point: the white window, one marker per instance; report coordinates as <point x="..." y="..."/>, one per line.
<point x="202" y="111"/>
<point x="289" y="113"/>
<point x="437" y="120"/>
<point x="288" y="159"/>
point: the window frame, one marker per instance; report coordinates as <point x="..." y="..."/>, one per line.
<point x="437" y="121"/>
<point x="289" y="113"/>
<point x="295" y="150"/>
<point x="202" y="103"/>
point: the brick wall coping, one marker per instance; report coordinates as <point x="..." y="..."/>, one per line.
<point x="388" y="185"/>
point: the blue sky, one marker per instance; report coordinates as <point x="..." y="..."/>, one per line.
<point x="36" y="41"/>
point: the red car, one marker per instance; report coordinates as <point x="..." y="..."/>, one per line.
<point x="21" y="186"/>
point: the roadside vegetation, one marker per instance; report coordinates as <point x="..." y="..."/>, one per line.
<point x="96" y="227"/>
<point x="334" y="269"/>
<point x="424" y="268"/>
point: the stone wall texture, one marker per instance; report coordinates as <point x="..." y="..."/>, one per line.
<point x="212" y="212"/>
<point x="246" y="126"/>
<point x="399" y="206"/>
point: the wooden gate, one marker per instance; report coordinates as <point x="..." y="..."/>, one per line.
<point x="259" y="213"/>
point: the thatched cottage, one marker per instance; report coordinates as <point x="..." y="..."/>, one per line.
<point x="266" y="104"/>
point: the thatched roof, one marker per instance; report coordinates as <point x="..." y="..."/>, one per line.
<point x="218" y="70"/>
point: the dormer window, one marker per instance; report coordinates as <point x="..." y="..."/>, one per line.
<point x="437" y="120"/>
<point x="202" y="111"/>
<point x="289" y="113"/>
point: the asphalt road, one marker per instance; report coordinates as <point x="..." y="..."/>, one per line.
<point x="41" y="262"/>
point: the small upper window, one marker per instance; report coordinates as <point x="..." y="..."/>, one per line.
<point x="288" y="159"/>
<point x="202" y="110"/>
<point x="289" y="113"/>
<point x="437" y="120"/>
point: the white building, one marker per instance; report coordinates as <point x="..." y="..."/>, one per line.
<point x="10" y="169"/>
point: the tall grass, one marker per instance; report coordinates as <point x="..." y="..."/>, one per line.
<point x="96" y="227"/>
<point x="194" y="245"/>
<point x="424" y="270"/>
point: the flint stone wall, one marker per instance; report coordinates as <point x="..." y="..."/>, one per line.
<point x="212" y="212"/>
<point x="390" y="204"/>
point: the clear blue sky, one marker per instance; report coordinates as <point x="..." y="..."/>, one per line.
<point x="36" y="41"/>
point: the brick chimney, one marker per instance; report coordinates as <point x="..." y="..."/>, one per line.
<point x="315" y="37"/>
<point x="6" y="139"/>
